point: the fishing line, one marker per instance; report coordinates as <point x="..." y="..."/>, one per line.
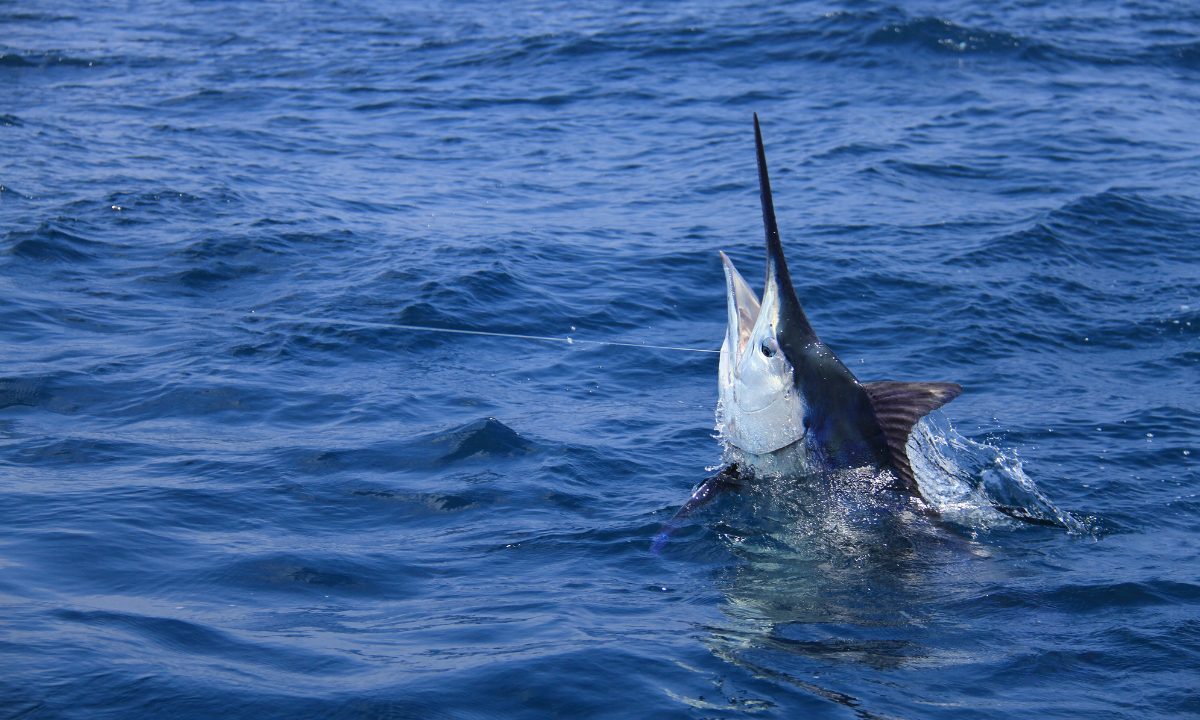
<point x="424" y="328"/>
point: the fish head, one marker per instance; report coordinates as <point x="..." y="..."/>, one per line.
<point x="762" y="409"/>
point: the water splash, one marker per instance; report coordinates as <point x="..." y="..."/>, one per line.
<point x="973" y="484"/>
<point x="966" y="481"/>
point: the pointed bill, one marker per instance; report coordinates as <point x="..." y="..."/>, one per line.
<point x="743" y="307"/>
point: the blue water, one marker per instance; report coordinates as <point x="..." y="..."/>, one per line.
<point x="210" y="508"/>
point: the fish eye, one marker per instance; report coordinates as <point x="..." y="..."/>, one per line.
<point x="769" y="347"/>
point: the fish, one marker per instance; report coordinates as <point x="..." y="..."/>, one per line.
<point x="787" y="405"/>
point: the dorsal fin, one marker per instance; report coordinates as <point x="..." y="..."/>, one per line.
<point x="777" y="269"/>
<point x="898" y="406"/>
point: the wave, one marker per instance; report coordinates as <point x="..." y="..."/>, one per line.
<point x="860" y="37"/>
<point x="47" y="243"/>
<point x="1185" y="55"/>
<point x="946" y="37"/>
<point x="46" y="60"/>
<point x="1116" y="228"/>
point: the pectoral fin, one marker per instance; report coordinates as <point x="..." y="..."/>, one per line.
<point x="898" y="406"/>
<point x="730" y="477"/>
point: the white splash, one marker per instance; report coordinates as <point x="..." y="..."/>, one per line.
<point x="964" y="480"/>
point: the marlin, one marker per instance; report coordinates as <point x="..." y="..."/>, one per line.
<point x="788" y="405"/>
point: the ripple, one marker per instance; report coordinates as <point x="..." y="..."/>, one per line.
<point x="222" y="499"/>
<point x="946" y="37"/>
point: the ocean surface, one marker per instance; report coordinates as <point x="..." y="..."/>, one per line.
<point x="232" y="486"/>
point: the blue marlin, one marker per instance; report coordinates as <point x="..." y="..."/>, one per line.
<point x="788" y="405"/>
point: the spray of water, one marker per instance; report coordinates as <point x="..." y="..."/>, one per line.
<point x="965" y="480"/>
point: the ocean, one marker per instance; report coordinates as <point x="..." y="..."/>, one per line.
<point x="238" y="479"/>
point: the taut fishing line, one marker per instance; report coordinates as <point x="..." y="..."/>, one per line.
<point x="422" y="328"/>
